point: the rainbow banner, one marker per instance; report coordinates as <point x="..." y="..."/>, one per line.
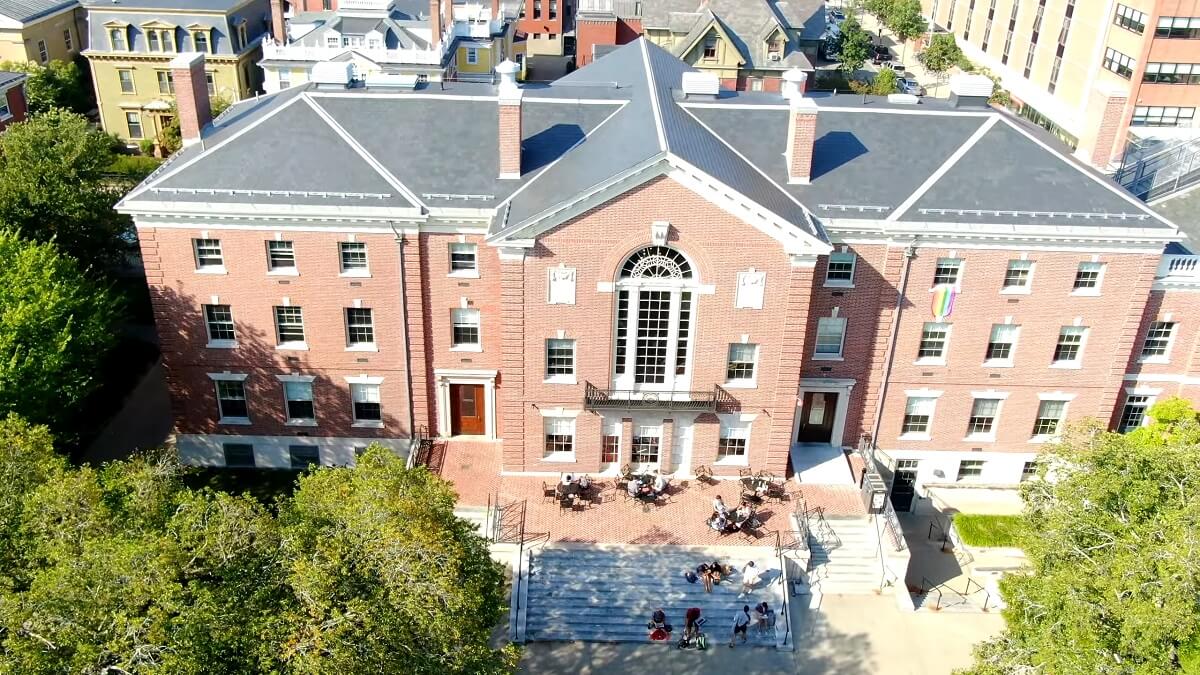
<point x="943" y="300"/>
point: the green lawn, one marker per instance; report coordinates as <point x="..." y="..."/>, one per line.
<point x="981" y="530"/>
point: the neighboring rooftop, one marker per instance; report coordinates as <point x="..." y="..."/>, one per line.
<point x="25" y="11"/>
<point x="180" y="5"/>
<point x="7" y="78"/>
<point x="610" y="122"/>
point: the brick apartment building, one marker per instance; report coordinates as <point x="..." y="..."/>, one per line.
<point x="619" y="270"/>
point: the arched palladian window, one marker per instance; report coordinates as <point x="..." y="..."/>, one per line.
<point x="656" y="299"/>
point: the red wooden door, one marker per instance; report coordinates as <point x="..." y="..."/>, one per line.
<point x="466" y="410"/>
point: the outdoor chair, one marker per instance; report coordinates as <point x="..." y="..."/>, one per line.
<point x="565" y="504"/>
<point x="776" y="491"/>
<point x="745" y="473"/>
<point x="579" y="504"/>
<point x="549" y="493"/>
<point x="704" y="477"/>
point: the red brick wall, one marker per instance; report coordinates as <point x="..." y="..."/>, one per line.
<point x="801" y="137"/>
<point x="1183" y="361"/>
<point x="543" y="24"/>
<point x="510" y="139"/>
<point x="595" y="244"/>
<point x="178" y="292"/>
<point x="588" y="34"/>
<point x="16" y="106"/>
<point x="1108" y="112"/>
<point x="1111" y="318"/>
<point x="192" y="102"/>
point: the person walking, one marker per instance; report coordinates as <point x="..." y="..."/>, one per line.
<point x="741" y="622"/>
<point x="761" y="612"/>
<point x="750" y="578"/>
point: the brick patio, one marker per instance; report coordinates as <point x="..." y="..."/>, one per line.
<point x="474" y="469"/>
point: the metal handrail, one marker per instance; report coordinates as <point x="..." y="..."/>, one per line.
<point x="932" y="587"/>
<point x="594" y="397"/>
<point x="787" y="622"/>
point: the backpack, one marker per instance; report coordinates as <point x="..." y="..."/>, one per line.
<point x="701" y="642"/>
<point x="658" y="634"/>
<point x="691" y="577"/>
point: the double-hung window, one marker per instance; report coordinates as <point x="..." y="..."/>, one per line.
<point x="947" y="271"/>
<point x="1157" y="347"/>
<point x="831" y="334"/>
<point x="298" y="402"/>
<point x="208" y="255"/>
<point x="1001" y="345"/>
<point x="970" y="469"/>
<point x="463" y="262"/>
<point x="1133" y="414"/>
<point x="560" y="360"/>
<point x="166" y="82"/>
<point x="934" y="338"/>
<point x="982" y="423"/>
<point x="741" y="365"/>
<point x="353" y="258"/>
<point x="1049" y="418"/>
<point x="1087" y="278"/>
<point x="289" y="327"/>
<point x="281" y="257"/>
<point x="646" y="440"/>
<point x="231" y="400"/>
<point x="360" y="328"/>
<point x="1029" y="471"/>
<point x="368" y="411"/>
<point x="733" y="442"/>
<point x="1068" y="352"/>
<point x="1018" y="276"/>
<point x="918" y="416"/>
<point x="841" y="269"/>
<point x="560" y="438"/>
<point x="465" y="329"/>
<point x="219" y="321"/>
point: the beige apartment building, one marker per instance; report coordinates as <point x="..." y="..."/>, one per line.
<point x="1090" y="71"/>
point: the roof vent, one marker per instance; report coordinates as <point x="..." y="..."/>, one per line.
<point x="701" y="84"/>
<point x="905" y="99"/>
<point x="794" y="84"/>
<point x="393" y="80"/>
<point x="333" y="73"/>
<point x="970" y="90"/>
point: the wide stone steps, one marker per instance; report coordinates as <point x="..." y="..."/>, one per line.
<point x="845" y="560"/>
<point x="599" y="595"/>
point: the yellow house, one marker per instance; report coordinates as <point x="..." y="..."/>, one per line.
<point x="41" y="30"/>
<point x="132" y="43"/>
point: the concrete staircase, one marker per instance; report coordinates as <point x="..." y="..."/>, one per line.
<point x="476" y="515"/>
<point x="607" y="595"/>
<point x="843" y="556"/>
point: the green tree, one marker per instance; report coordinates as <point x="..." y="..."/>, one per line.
<point x="55" y="327"/>
<point x="884" y="83"/>
<point x="171" y="138"/>
<point x="942" y="54"/>
<point x="905" y="21"/>
<point x="1115" y="562"/>
<point x="881" y="9"/>
<point x="854" y="47"/>
<point x="53" y="187"/>
<point x="58" y="84"/>
<point x="386" y="577"/>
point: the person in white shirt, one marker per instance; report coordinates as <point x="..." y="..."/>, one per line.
<point x="750" y="578"/>
<point x="741" y="622"/>
<point x="660" y="484"/>
<point x="584" y="482"/>
<point x="719" y="506"/>
<point x="567" y="479"/>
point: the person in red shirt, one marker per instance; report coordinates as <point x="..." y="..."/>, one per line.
<point x="691" y="623"/>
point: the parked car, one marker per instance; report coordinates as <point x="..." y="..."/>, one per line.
<point x="834" y="16"/>
<point x="896" y="67"/>
<point x="907" y="85"/>
<point x="880" y="54"/>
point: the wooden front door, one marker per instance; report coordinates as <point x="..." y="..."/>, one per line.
<point x="816" y="417"/>
<point x="466" y="410"/>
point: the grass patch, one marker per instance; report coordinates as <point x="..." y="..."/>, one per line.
<point x="983" y="530"/>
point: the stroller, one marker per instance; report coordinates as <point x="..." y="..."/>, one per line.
<point x="694" y="639"/>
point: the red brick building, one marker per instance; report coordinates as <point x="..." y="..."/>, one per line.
<point x="652" y="276"/>
<point x="13" y="107"/>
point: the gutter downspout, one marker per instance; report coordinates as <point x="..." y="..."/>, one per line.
<point x="910" y="252"/>
<point x="408" y="378"/>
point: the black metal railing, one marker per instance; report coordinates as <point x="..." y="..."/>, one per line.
<point x="958" y="597"/>
<point x="783" y="579"/>
<point x="595" y="398"/>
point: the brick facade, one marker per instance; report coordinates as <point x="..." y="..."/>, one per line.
<point x="17" y="106"/>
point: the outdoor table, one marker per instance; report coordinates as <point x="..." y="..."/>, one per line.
<point x="569" y="490"/>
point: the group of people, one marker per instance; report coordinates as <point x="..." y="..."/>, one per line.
<point x="570" y="485"/>
<point x="762" y="617"/>
<point x="708" y="574"/>
<point x="724" y="521"/>
<point x="648" y="488"/>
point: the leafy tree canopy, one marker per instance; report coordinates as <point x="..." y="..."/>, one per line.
<point x="905" y="20"/>
<point x="126" y="569"/>
<point x="55" y="326"/>
<point x="942" y="54"/>
<point x="58" y="84"/>
<point x="854" y="46"/>
<point x="53" y="187"/>
<point x="1114" y="543"/>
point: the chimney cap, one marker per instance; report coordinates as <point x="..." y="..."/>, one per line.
<point x="186" y="60"/>
<point x="510" y="91"/>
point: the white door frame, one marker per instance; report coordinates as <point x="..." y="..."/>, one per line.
<point x="840" y="386"/>
<point x="446" y="377"/>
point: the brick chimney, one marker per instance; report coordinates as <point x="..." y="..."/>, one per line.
<point x="510" y="120"/>
<point x="278" y="26"/>
<point x="435" y="21"/>
<point x="448" y="14"/>
<point x="802" y="127"/>
<point x="191" y="95"/>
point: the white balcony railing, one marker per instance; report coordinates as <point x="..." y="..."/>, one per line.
<point x="294" y="52"/>
<point x="1176" y="268"/>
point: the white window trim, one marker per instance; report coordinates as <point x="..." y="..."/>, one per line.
<point x="1015" y="290"/>
<point x="364" y="379"/>
<point x="1066" y="399"/>
<point x="962" y="266"/>
<point x="934" y="394"/>
<point x="842" y="283"/>
<point x="1166" y="356"/>
<point x="935" y="360"/>
<point x="1090" y="292"/>
<point x="840" y="356"/>
<point x="1151" y="395"/>
<point x="1078" y="362"/>
<point x="461" y="274"/>
<point x="217" y="344"/>
<point x="1012" y="352"/>
<point x="561" y="457"/>
<point x="560" y="379"/>
<point x="989" y="437"/>
<point x="230" y="377"/>
<point x="739" y="420"/>
<point x="371" y="346"/>
<point x="970" y="479"/>
<point x="290" y="421"/>
<point x="748" y="383"/>
<point x="354" y="273"/>
<point x="209" y="269"/>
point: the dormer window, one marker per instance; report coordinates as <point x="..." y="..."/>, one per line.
<point x="160" y="39"/>
<point x="201" y="41"/>
<point x="117" y="39"/>
<point x="710" y="47"/>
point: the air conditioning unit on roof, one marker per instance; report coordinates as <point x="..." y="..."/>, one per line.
<point x="774" y="56"/>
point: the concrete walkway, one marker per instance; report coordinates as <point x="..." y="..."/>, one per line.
<point x="847" y="635"/>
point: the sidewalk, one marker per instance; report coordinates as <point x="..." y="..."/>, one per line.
<point x="933" y="88"/>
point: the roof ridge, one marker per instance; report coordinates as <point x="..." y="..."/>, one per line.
<point x="652" y="87"/>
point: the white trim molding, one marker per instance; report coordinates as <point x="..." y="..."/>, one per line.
<point x="447" y="376"/>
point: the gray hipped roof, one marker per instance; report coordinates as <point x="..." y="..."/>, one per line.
<point x="28" y="10"/>
<point x="622" y="120"/>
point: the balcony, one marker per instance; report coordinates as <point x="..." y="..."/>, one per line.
<point x="1178" y="271"/>
<point x="595" y="398"/>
